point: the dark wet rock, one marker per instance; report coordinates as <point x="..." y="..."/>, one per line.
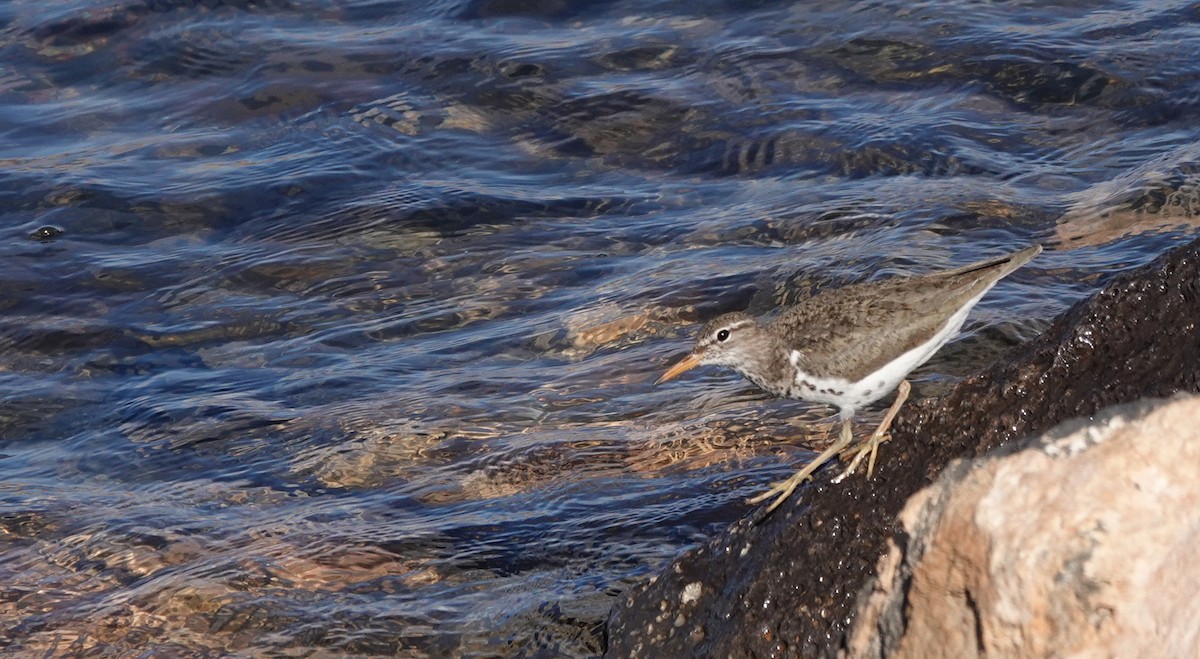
<point x="1038" y="83"/>
<point x="85" y="27"/>
<point x="96" y="26"/>
<point x="1030" y="76"/>
<point x="200" y="53"/>
<point x="885" y="60"/>
<point x="274" y="100"/>
<point x="651" y="57"/>
<point x="786" y="585"/>
<point x="521" y="70"/>
<point x="43" y="340"/>
<point x="45" y="234"/>
<point x="634" y="126"/>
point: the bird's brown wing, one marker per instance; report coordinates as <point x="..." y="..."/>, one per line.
<point x="856" y="329"/>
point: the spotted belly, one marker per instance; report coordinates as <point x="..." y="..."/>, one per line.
<point x="850" y="396"/>
<point x="844" y="394"/>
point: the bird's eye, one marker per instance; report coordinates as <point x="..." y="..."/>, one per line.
<point x="722" y="335"/>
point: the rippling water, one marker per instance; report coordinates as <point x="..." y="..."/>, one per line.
<point x="332" y="326"/>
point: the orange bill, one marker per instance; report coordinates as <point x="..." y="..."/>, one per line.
<point x="685" y="364"/>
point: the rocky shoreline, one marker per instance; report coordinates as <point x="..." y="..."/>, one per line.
<point x="790" y="584"/>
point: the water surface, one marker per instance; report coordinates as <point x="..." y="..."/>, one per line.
<point x="331" y="327"/>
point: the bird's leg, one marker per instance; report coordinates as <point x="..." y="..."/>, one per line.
<point x="785" y="488"/>
<point x="871" y="446"/>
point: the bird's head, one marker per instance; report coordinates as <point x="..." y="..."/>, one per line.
<point x="736" y="340"/>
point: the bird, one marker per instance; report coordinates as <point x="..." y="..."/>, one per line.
<point x="848" y="347"/>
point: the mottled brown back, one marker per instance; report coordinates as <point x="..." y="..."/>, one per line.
<point x="856" y="329"/>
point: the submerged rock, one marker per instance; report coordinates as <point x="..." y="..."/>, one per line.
<point x="787" y="584"/>
<point x="1078" y="546"/>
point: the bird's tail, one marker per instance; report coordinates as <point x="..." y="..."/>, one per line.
<point x="1009" y="262"/>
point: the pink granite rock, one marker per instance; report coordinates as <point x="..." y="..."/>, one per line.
<point x="1082" y="545"/>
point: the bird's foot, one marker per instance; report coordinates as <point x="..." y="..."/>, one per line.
<point x="868" y="448"/>
<point x="881" y="435"/>
<point x="785" y="488"/>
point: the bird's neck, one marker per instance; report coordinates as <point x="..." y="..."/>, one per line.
<point x="768" y="367"/>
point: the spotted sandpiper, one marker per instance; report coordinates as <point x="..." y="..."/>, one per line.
<point x="849" y="346"/>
